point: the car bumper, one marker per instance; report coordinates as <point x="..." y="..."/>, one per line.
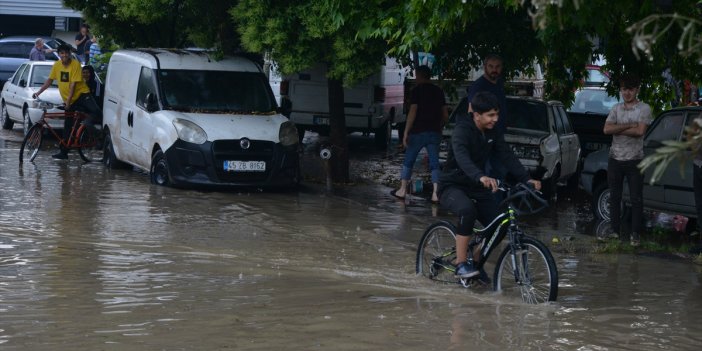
<point x="35" y="115"/>
<point x="203" y="165"/>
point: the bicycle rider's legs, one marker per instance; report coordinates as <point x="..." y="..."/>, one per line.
<point x="86" y="104"/>
<point x="481" y="207"/>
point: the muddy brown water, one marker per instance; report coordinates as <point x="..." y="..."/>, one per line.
<point x="93" y="259"/>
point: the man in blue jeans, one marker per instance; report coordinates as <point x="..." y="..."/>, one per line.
<point x="427" y="116"/>
<point x="466" y="189"/>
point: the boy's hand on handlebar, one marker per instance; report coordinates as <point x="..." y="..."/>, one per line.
<point x="535" y="183"/>
<point x="489" y="183"/>
<point x="35" y="96"/>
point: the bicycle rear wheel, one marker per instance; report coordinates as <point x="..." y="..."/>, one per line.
<point x="530" y="273"/>
<point x="92" y="148"/>
<point x="31" y="143"/>
<point x="437" y="251"/>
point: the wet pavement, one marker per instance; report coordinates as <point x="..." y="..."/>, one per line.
<point x="95" y="259"/>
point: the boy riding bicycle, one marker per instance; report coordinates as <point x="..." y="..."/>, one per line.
<point x="464" y="187"/>
<point x="74" y="92"/>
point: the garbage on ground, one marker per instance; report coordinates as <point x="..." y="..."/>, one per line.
<point x="677" y="223"/>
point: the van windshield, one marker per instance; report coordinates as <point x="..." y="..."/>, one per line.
<point x="216" y="91"/>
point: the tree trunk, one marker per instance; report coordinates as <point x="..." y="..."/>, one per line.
<point x="337" y="126"/>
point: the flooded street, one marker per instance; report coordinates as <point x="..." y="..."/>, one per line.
<point x="97" y="259"/>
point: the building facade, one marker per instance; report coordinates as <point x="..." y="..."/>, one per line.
<point x="36" y="17"/>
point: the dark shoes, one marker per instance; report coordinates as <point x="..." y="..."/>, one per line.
<point x="466" y="270"/>
<point x="62" y="155"/>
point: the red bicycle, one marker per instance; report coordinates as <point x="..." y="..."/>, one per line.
<point x="87" y="140"/>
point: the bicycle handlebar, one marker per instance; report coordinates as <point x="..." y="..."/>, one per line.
<point x="523" y="194"/>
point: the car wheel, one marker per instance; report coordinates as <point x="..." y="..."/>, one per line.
<point x="110" y="160"/>
<point x="600" y="201"/>
<point x="159" y="169"/>
<point x="27" y="122"/>
<point x="382" y="135"/>
<point x="7" y="123"/>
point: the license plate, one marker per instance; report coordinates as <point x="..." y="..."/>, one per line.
<point x="594" y="146"/>
<point x="320" y="121"/>
<point x="245" y="166"/>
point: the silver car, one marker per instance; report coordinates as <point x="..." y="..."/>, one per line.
<point x="673" y="193"/>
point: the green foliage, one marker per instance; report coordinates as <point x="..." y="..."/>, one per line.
<point x="162" y="23"/>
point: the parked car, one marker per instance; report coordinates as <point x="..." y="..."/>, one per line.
<point x="673" y="193"/>
<point x="16" y="102"/>
<point x="188" y="119"/>
<point x="15" y="50"/>
<point x="540" y="135"/>
<point x="588" y="114"/>
<point x="596" y="76"/>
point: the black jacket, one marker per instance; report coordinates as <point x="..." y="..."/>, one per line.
<point x="470" y="151"/>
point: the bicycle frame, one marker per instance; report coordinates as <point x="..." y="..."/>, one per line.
<point x="493" y="234"/>
<point x="73" y="140"/>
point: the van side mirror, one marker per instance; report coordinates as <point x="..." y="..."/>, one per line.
<point x="23" y="83"/>
<point x="285" y="107"/>
<point x="151" y="102"/>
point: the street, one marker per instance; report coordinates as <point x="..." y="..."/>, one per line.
<point x="98" y="259"/>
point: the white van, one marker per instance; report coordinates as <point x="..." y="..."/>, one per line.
<point x="188" y="119"/>
<point x="371" y="106"/>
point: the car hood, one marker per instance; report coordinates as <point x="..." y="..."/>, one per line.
<point x="524" y="136"/>
<point x="52" y="95"/>
<point x="230" y="126"/>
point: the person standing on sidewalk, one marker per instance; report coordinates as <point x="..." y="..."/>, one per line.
<point x="426" y="118"/>
<point x="627" y="123"/>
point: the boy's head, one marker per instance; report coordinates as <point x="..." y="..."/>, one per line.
<point x="486" y="110"/>
<point x="629" y="81"/>
<point x="423" y="72"/>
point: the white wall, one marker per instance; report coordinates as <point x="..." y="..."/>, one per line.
<point x="51" y="8"/>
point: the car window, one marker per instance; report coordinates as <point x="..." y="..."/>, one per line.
<point x="668" y="127"/>
<point x="24" y="76"/>
<point x="18" y="74"/>
<point x="596" y="76"/>
<point x="527" y="115"/>
<point x="219" y="91"/>
<point x="593" y="101"/>
<point x="14" y="50"/>
<point x="146" y="86"/>
<point x="40" y="74"/>
<point x="566" y="122"/>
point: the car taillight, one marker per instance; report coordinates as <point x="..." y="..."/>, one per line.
<point x="284" y="87"/>
<point x="379" y="94"/>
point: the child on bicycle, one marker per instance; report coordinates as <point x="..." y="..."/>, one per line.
<point x="464" y="186"/>
<point x="74" y="92"/>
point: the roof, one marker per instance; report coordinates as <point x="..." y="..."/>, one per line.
<point x="186" y="60"/>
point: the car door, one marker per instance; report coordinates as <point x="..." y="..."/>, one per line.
<point x="668" y="126"/>
<point x="142" y="121"/>
<point x="570" y="144"/>
<point x="677" y="180"/>
<point x="563" y="141"/>
<point x="13" y="93"/>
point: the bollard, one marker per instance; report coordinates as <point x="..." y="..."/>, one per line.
<point x="325" y="154"/>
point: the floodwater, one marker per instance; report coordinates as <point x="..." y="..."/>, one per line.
<point x="93" y="259"/>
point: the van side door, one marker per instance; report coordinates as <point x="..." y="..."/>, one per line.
<point x="142" y="122"/>
<point x="119" y="106"/>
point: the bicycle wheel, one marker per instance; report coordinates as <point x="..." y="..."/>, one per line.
<point x="437" y="251"/>
<point x="31" y="143"/>
<point x="530" y="273"/>
<point x="92" y="148"/>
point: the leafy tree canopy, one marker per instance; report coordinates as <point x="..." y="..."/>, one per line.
<point x="162" y="23"/>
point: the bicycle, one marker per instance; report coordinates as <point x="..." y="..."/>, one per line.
<point x="525" y="267"/>
<point x="86" y="139"/>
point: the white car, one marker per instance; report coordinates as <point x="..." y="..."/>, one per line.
<point x="189" y="119"/>
<point x="16" y="102"/>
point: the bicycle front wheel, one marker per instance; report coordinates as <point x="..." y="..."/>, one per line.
<point x="437" y="251"/>
<point x="529" y="272"/>
<point x="31" y="143"/>
<point x="92" y="148"/>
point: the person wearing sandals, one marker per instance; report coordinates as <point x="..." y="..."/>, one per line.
<point x="426" y="118"/>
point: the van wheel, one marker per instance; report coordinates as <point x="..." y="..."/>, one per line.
<point x="600" y="201"/>
<point x="159" y="169"/>
<point x="7" y="123"/>
<point x="111" y="161"/>
<point x="382" y="135"/>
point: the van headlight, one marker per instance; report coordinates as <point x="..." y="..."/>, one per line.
<point x="189" y="131"/>
<point x="288" y="134"/>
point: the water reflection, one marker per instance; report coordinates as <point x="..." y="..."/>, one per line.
<point x="93" y="259"/>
